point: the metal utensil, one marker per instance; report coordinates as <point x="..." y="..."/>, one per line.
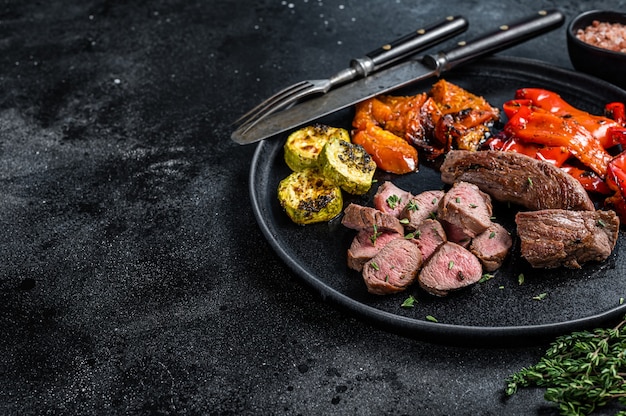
<point x="392" y="52"/>
<point x="399" y="76"/>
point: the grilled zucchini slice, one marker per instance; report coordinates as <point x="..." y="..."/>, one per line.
<point x="348" y="165"/>
<point x="308" y="197"/>
<point x="303" y="146"/>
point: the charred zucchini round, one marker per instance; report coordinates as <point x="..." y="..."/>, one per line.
<point x="308" y="197"/>
<point x="303" y="146"/>
<point x="348" y="165"/>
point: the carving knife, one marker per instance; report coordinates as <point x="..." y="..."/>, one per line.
<point x="400" y="75"/>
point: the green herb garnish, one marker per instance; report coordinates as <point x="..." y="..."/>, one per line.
<point x="393" y="201"/>
<point x="375" y="235"/>
<point x="485" y="277"/>
<point x="409" y="302"/>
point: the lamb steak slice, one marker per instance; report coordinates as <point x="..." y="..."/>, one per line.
<point x="428" y="237"/>
<point x="466" y="207"/>
<point x="390" y="198"/>
<point x="421" y="207"/>
<point x="394" y="267"/>
<point x="451" y="267"/>
<point x="358" y="217"/>
<point x="366" y="245"/>
<point x="554" y="237"/>
<point x="492" y="246"/>
<point x="517" y="178"/>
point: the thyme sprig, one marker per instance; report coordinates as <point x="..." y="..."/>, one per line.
<point x="581" y="371"/>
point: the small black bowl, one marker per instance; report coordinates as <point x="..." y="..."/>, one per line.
<point x="602" y="63"/>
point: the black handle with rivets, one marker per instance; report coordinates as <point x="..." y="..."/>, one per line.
<point x="410" y="44"/>
<point x="505" y="37"/>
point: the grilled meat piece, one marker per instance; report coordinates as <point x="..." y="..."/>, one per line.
<point x="492" y="246"/>
<point x="366" y="245"/>
<point x="358" y="217"/>
<point x="429" y="236"/>
<point x="456" y="234"/>
<point x="391" y="199"/>
<point x="466" y="207"/>
<point x="420" y="207"/>
<point x="553" y="237"/>
<point x="393" y="268"/>
<point x="517" y="178"/>
<point x="451" y="267"/>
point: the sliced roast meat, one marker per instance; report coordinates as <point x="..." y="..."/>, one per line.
<point x="456" y="234"/>
<point x="451" y="267"/>
<point x="517" y="178"/>
<point x="393" y="268"/>
<point x="492" y="246"/>
<point x="466" y="207"/>
<point x="421" y="207"/>
<point x="554" y="237"/>
<point x="428" y="237"/>
<point x="365" y="245"/>
<point x="358" y="217"/>
<point x="391" y="199"/>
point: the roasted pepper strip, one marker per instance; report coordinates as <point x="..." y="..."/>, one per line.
<point x="616" y="180"/>
<point x="616" y="112"/>
<point x="553" y="103"/>
<point x="616" y="173"/>
<point x="542" y="127"/>
<point x="390" y="152"/>
<point x="554" y="155"/>
<point x="588" y="179"/>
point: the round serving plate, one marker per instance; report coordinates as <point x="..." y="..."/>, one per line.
<point x="497" y="311"/>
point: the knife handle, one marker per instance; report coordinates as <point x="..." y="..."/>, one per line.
<point x="407" y="45"/>
<point x="505" y="37"/>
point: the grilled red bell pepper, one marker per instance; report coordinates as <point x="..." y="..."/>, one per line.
<point x="588" y="179"/>
<point x="598" y="126"/>
<point x="616" y="180"/>
<point x="616" y="173"/>
<point x="555" y="155"/>
<point x="535" y="125"/>
<point x="616" y="112"/>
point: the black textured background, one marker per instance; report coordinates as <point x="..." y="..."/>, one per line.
<point x="133" y="277"/>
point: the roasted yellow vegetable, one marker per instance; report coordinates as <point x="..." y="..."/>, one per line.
<point x="348" y="165"/>
<point x="303" y="146"/>
<point x="308" y="197"/>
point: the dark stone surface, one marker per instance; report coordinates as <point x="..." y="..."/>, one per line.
<point x="133" y="278"/>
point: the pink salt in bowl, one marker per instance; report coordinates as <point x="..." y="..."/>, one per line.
<point x="599" y="54"/>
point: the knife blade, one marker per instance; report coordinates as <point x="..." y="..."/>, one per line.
<point x="401" y="75"/>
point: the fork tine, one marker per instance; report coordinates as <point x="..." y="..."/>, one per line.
<point x="273" y="101"/>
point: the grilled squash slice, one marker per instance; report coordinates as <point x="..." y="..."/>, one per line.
<point x="348" y="165"/>
<point x="308" y="197"/>
<point x="303" y="146"/>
